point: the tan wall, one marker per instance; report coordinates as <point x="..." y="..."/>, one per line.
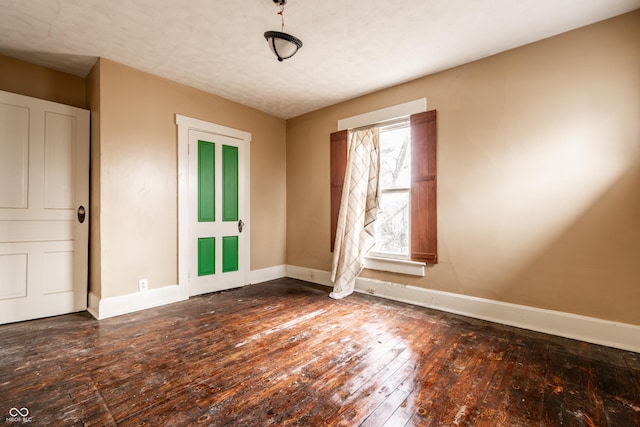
<point x="133" y="207"/>
<point x="138" y="176"/>
<point x="39" y="82"/>
<point x="93" y="103"/>
<point x="538" y="174"/>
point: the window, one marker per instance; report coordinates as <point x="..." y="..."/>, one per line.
<point x="394" y="219"/>
<point x="406" y="228"/>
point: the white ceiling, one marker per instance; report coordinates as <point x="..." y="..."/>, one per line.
<point x="350" y="47"/>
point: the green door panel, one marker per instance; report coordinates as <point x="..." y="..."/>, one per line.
<point x="206" y="256"/>
<point x="229" y="183"/>
<point x="206" y="182"/>
<point x="229" y="254"/>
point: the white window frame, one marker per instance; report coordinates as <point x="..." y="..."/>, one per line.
<point x="376" y="260"/>
<point x="402" y="123"/>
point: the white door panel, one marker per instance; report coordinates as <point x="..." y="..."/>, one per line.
<point x="14" y="161"/>
<point x="44" y="178"/>
<point x="59" y="138"/>
<point x="13" y="264"/>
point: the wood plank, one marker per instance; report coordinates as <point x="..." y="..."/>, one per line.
<point x="282" y="353"/>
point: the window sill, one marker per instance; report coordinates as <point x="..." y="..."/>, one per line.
<point x="401" y="266"/>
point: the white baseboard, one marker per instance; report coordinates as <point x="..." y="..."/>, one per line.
<point x="597" y="331"/>
<point x="129" y="303"/>
<point x="266" y="274"/>
<point x="103" y="308"/>
<point x="309" y="274"/>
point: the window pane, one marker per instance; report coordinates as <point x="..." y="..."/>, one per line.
<point x="392" y="225"/>
<point x="395" y="158"/>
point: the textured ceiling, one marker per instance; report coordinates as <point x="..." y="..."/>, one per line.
<point x="350" y="47"/>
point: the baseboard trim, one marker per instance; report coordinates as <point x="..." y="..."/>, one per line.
<point x="312" y="275"/>
<point x="597" y="331"/>
<point x="103" y="308"/>
<point x="266" y="274"/>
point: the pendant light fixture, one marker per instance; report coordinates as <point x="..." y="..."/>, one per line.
<point x="283" y="45"/>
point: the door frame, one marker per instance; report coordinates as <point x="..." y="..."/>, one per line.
<point x="185" y="124"/>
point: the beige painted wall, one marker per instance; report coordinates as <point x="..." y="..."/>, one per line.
<point x="538" y="172"/>
<point x="92" y="85"/>
<point x="137" y="180"/>
<point x="133" y="208"/>
<point x="39" y="82"/>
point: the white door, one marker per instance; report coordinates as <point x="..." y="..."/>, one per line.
<point x="217" y="228"/>
<point x="44" y="192"/>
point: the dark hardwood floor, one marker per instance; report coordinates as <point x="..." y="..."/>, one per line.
<point x="283" y="353"/>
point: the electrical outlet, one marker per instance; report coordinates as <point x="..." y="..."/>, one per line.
<point x="142" y="285"/>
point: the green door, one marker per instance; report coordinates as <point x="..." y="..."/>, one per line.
<point x="218" y="237"/>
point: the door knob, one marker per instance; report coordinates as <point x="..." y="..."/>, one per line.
<point x="81" y="214"/>
<point x="240" y="226"/>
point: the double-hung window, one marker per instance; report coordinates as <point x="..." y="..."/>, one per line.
<point x="406" y="228"/>
<point x="393" y="226"/>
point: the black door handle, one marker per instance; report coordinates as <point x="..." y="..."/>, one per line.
<point x="81" y="214"/>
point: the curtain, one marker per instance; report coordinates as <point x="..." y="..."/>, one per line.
<point x="358" y="210"/>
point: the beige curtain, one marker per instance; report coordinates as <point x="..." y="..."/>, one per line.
<point x="358" y="210"/>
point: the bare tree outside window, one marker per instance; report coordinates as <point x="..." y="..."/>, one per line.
<point x="392" y="225"/>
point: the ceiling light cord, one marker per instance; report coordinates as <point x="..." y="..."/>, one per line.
<point x="281" y="13"/>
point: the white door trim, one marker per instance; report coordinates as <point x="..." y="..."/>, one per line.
<point x="184" y="125"/>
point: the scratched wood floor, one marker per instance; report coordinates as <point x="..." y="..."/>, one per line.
<point x="283" y="353"/>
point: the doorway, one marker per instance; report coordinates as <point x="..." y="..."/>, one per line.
<point x="214" y="224"/>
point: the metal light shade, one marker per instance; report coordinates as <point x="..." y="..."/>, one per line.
<point x="283" y="45"/>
